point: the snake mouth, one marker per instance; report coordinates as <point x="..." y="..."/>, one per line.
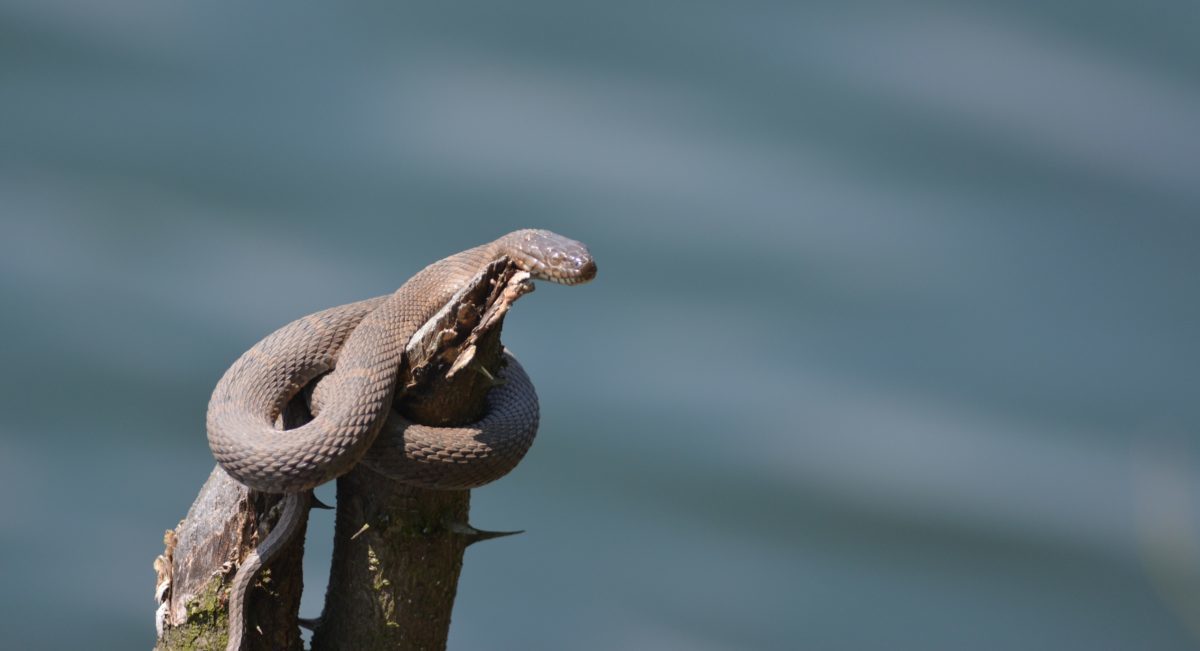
<point x="580" y="276"/>
<point x="562" y="267"/>
<point x="576" y="276"/>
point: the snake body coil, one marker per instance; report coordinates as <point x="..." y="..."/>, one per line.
<point x="361" y="347"/>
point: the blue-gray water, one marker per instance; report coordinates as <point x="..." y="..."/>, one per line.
<point x="894" y="342"/>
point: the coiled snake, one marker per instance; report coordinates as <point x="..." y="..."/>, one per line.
<point x="361" y="347"/>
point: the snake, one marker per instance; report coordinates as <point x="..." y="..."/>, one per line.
<point x="357" y="351"/>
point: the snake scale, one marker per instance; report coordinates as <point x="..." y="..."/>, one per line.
<point x="359" y="348"/>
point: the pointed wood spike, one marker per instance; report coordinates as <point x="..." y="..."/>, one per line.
<point x="318" y="504"/>
<point x="478" y="535"/>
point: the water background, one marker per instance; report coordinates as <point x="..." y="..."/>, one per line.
<point x="893" y="345"/>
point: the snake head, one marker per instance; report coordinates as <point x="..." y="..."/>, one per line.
<point x="550" y="256"/>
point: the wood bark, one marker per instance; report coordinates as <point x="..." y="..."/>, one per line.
<point x="226" y="521"/>
<point x="398" y="549"/>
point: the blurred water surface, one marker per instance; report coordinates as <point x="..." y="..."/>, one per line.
<point x="893" y="344"/>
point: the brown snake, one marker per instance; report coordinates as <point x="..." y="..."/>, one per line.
<point x="361" y="348"/>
